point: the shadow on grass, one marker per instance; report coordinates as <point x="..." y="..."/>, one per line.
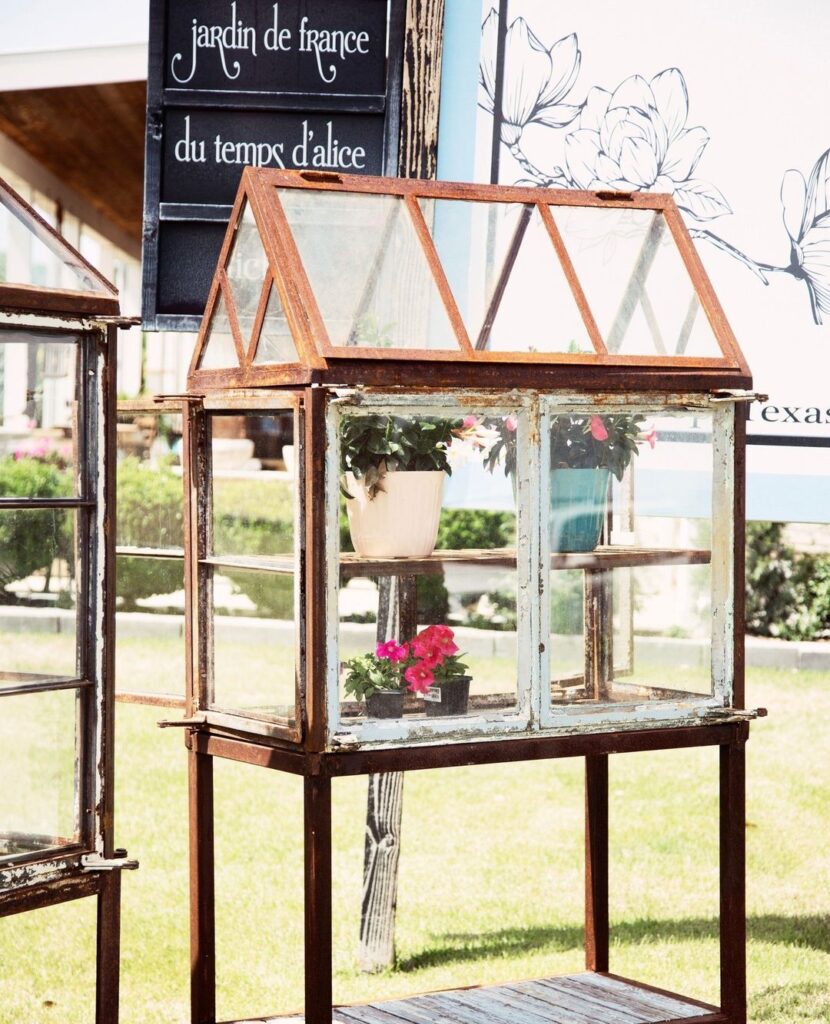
<point x="811" y="931"/>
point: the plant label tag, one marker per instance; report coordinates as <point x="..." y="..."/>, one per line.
<point x="433" y="694"/>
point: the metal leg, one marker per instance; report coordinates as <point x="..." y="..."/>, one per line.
<point x="733" y="879"/>
<point x="596" y="862"/>
<point x="108" y="960"/>
<point x="202" y="913"/>
<point x="318" y="960"/>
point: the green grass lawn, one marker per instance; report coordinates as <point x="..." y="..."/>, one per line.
<point x="490" y="884"/>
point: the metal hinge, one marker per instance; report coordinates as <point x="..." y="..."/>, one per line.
<point x="736" y="395"/>
<point x="196" y="722"/>
<point x="118" y="862"/>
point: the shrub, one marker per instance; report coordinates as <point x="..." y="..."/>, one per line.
<point x="30" y="541"/>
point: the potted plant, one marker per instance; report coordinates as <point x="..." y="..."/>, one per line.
<point x="584" y="452"/>
<point x="393" y="476"/>
<point x="437" y="672"/>
<point x="378" y="679"/>
<point x="428" y="666"/>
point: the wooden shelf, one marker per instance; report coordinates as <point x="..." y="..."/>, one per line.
<point x="351" y="565"/>
<point x="571" y="999"/>
<point x="611" y="557"/>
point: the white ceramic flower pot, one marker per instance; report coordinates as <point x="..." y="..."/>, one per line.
<point x="401" y="521"/>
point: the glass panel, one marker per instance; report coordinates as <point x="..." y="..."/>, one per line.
<point x="219" y="352"/>
<point x="275" y="344"/>
<point x="38" y="416"/>
<point x="253" y="487"/>
<point x="367" y="270"/>
<point x="38" y="587"/>
<point x="254" y="633"/>
<point x="247" y="269"/>
<point x="38" y="750"/>
<point x="506" y="277"/>
<point x="631" y="507"/>
<point x="149" y="481"/>
<point x="32" y="254"/>
<point x="446" y="620"/>
<point x="149" y="634"/>
<point x="635" y="281"/>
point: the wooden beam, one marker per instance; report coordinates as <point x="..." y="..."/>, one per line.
<point x="423" y="46"/>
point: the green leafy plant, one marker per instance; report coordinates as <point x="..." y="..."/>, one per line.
<point x="368" y="673"/>
<point x="372" y="445"/>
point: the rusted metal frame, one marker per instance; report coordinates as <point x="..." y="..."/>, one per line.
<point x="317" y="899"/>
<point x="233" y="318"/>
<point x="251" y="400"/>
<point x="193" y="441"/>
<point x="636" y="283"/>
<point x="703" y="287"/>
<point x="168" y="553"/>
<point x="337" y="182"/>
<point x="317" y="553"/>
<point x="259" y="317"/>
<point x="524" y="748"/>
<point x="45" y="686"/>
<point x="245" y="750"/>
<point x="264" y="563"/>
<point x="733" y="878"/>
<point x="573" y="280"/>
<point x="156" y="700"/>
<point x="108" y="948"/>
<point x="157" y="405"/>
<point x="301" y="607"/>
<point x="32" y="298"/>
<point x="687" y="325"/>
<point x="438" y="275"/>
<point x="283" y="259"/>
<point x="213" y="294"/>
<point x="310" y="334"/>
<point x="597" y="618"/>
<point x="46" y="503"/>
<point x="202" y="888"/>
<point x="201" y="540"/>
<point x="504" y="275"/>
<point x="277" y="375"/>
<point x="596" y="863"/>
<point x="46" y="234"/>
<point x="72" y="887"/>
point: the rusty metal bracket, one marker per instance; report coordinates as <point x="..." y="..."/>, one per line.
<point x="734" y="714"/>
<point x="736" y="395"/>
<point x="183" y="723"/>
<point x="118" y="862"/>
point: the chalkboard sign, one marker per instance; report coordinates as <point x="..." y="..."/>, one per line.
<point x="231" y="83"/>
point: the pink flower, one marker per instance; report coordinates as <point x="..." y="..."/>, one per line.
<point x="429" y="655"/>
<point x="469" y="422"/>
<point x="434" y="640"/>
<point x="392" y="651"/>
<point x="651" y="437"/>
<point x="598" y="431"/>
<point x="419" y="677"/>
<point x="510" y="423"/>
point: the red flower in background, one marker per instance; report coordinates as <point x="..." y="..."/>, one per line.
<point x="598" y="431"/>
<point x="419" y="677"/>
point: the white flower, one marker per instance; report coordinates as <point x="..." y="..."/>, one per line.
<point x="536" y="79"/>
<point x="636" y="138"/>
<point x="807" y="220"/>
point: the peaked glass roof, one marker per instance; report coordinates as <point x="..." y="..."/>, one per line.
<point x="40" y="270"/>
<point x="318" y="268"/>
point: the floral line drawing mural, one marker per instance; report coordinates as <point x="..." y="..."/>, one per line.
<point x="636" y="137"/>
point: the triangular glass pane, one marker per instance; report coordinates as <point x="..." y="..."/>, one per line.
<point x="247" y="268"/>
<point x="219" y="352"/>
<point x="367" y="270"/>
<point x="32" y="253"/>
<point x="635" y="282"/>
<point x="276" y="344"/>
<point x="506" y="278"/>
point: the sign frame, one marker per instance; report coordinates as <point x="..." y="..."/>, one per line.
<point x="161" y="100"/>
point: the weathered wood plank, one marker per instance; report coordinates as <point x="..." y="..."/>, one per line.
<point x="576" y="1003"/>
<point x="528" y="1009"/>
<point x="648" y="996"/>
<point x="613" y="1008"/>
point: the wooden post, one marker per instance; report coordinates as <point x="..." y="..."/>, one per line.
<point x="733" y="878"/>
<point x="397" y="617"/>
<point x="108" y="941"/>
<point x="596" y="862"/>
<point x="317" y="933"/>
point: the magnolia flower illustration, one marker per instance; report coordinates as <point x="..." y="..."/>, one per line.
<point x="537" y="78"/>
<point x="636" y="138"/>
<point x="807" y="220"/>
